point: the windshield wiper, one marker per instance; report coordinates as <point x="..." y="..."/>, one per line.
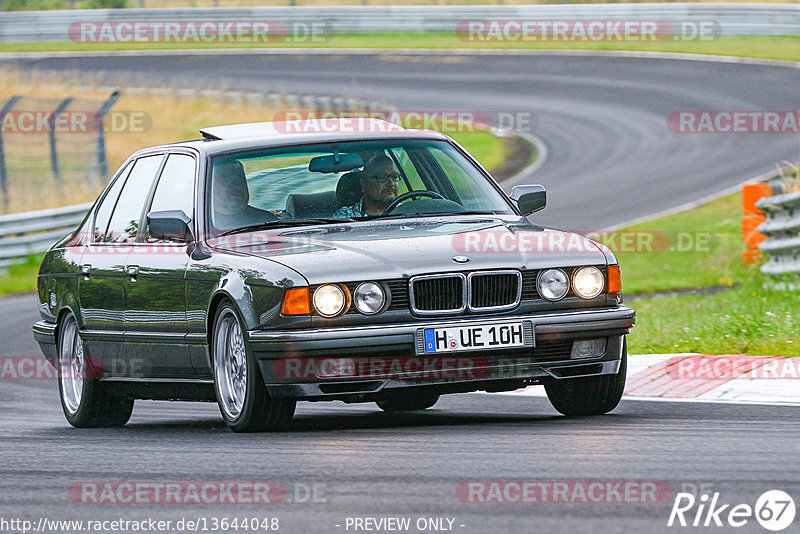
<point x="282" y="223"/>
<point x="473" y="212"/>
<point x="436" y="214"/>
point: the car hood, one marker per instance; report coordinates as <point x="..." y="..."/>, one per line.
<point x="382" y="250"/>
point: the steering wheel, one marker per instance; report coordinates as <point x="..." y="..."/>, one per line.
<point x="411" y="194"/>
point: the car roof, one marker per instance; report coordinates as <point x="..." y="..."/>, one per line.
<point x="220" y="139"/>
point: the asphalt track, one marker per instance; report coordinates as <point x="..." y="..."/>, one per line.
<point x="610" y="158"/>
<point x="603" y="119"/>
<point x="368" y="464"/>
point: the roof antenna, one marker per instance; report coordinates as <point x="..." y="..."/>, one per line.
<point x="336" y="155"/>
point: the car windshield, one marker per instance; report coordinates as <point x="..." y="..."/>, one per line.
<point x="327" y="183"/>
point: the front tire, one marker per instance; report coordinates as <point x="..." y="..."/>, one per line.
<point x="84" y="401"/>
<point x="594" y="395"/>
<point x="241" y="394"/>
<point x="408" y="402"/>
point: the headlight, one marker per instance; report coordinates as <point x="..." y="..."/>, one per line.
<point x="552" y="284"/>
<point x="329" y="300"/>
<point x="369" y="298"/>
<point x="588" y="282"/>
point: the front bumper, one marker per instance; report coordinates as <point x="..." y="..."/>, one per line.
<point x="390" y="357"/>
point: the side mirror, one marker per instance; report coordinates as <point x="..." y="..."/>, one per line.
<point x="171" y="225"/>
<point x="529" y="198"/>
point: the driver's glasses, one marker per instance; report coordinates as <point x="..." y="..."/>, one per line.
<point x="386" y="177"/>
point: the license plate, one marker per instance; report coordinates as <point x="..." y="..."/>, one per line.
<point x="481" y="337"/>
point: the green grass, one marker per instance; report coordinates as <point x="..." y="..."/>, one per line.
<point x="487" y="148"/>
<point x="748" y="318"/>
<point x="21" y="277"/>
<point x="786" y="48"/>
<point x="696" y="248"/>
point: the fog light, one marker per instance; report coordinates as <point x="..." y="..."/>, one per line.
<point x="588" y="348"/>
<point x="332" y="367"/>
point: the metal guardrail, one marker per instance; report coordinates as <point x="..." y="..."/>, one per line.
<point x="733" y="19"/>
<point x="22" y="234"/>
<point x="782" y="230"/>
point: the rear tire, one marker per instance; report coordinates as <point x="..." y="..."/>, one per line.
<point x="595" y="395"/>
<point x="84" y="401"/>
<point x="241" y="394"/>
<point x="408" y="402"/>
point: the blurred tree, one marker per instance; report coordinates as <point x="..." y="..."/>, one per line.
<point x="39" y="5"/>
<point x="106" y="4"/>
<point x="33" y="5"/>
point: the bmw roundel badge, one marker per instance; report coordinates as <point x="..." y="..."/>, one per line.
<point x="460" y="259"/>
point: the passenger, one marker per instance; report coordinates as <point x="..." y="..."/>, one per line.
<point x="378" y="188"/>
<point x="231" y="199"/>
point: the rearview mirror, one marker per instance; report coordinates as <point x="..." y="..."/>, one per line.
<point x="169" y="225"/>
<point x="529" y="198"/>
<point x="335" y="163"/>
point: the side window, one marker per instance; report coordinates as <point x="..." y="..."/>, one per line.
<point x="125" y="220"/>
<point x="103" y="213"/>
<point x="175" y="189"/>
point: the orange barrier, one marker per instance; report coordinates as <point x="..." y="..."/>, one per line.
<point x="752" y="217"/>
<point x="752" y="193"/>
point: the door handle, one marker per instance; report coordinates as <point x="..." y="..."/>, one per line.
<point x="133" y="271"/>
<point x="86" y="271"/>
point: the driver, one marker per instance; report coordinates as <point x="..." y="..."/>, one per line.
<point x="378" y="188"/>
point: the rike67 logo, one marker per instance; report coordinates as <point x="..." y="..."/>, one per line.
<point x="774" y="510"/>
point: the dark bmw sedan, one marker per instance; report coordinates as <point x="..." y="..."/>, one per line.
<point x="340" y="259"/>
